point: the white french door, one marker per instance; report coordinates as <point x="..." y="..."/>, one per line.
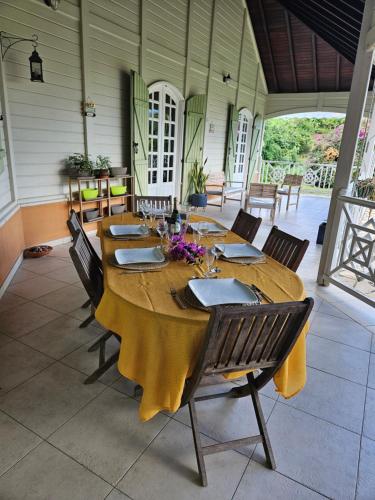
<point x="240" y="165"/>
<point x="164" y="140"/>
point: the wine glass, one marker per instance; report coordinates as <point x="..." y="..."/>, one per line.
<point x="162" y="229"/>
<point x="202" y="229"/>
<point x="209" y="257"/>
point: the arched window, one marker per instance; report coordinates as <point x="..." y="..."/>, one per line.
<point x="165" y="129"/>
<point x="242" y="145"/>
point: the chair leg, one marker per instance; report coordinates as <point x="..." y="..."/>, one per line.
<point x="197" y="443"/>
<point x="262" y="426"/>
<point x="87" y="321"/>
<point x="86" y="304"/>
<point x="97" y="344"/>
<point x="102" y="368"/>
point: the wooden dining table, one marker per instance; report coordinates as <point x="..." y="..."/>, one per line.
<point x="160" y="341"/>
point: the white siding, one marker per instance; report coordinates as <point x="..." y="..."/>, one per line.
<point x="149" y="36"/>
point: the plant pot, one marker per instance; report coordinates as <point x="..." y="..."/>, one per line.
<point x="118" y="209"/>
<point x="90" y="214"/>
<point x="119" y="171"/>
<point x="90" y="194"/>
<point x="198" y="200"/>
<point x="76" y="172"/>
<point x="103" y="173"/>
<point x="118" y="190"/>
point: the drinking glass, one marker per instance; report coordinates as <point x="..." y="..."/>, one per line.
<point x="202" y="229"/>
<point x="209" y="257"/>
<point x="162" y="229"/>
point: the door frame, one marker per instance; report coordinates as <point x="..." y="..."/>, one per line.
<point x="245" y="111"/>
<point x="180" y="109"/>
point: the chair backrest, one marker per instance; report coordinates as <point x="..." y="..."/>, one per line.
<point x="74" y="226"/>
<point x="87" y="267"/>
<point x="240" y="338"/>
<point x="293" y="180"/>
<point x="285" y="248"/>
<point x="156" y="201"/>
<point x="216" y="178"/>
<point x="246" y="225"/>
<point x="260" y="190"/>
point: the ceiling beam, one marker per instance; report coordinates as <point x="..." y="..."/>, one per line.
<point x="338" y="63"/>
<point x="291" y="50"/>
<point x="315" y="65"/>
<point x="268" y="43"/>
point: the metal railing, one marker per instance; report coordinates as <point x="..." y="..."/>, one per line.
<point x="353" y="264"/>
<point x="317" y="177"/>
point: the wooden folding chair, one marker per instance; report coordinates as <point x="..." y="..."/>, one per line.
<point x="258" y="337"/>
<point x="74" y="225"/>
<point x="91" y="275"/>
<point x="291" y="185"/>
<point x="263" y="196"/>
<point x="246" y="225"/>
<point x="285" y="248"/>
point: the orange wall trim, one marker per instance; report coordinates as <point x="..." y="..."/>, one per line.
<point x="31" y="226"/>
<point x="12" y="244"/>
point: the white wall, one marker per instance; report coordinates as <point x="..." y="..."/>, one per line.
<point x="187" y="43"/>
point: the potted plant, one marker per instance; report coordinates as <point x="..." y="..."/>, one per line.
<point x="102" y="166"/>
<point x="365" y="188"/>
<point x="79" y="165"/>
<point x="198" y="179"/>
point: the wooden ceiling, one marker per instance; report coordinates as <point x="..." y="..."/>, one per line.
<point x="307" y="45"/>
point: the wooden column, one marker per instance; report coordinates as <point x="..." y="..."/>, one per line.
<point x="8" y="138"/>
<point x="88" y="124"/>
<point x="356" y="105"/>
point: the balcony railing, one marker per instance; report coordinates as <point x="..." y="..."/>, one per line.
<point x="317" y="177"/>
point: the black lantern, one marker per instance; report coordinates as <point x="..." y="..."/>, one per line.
<point x="7" y="41"/>
<point x="36" y="70"/>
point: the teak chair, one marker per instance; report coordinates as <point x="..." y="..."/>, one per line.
<point x="74" y="225"/>
<point x="217" y="185"/>
<point x="291" y="186"/>
<point x="91" y="275"/>
<point x="246" y="225"/>
<point x="240" y="338"/>
<point x="156" y="201"/>
<point x="285" y="248"/>
<point x="263" y="196"/>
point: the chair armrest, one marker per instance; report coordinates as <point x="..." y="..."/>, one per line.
<point x="236" y="182"/>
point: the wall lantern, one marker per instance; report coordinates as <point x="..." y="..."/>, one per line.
<point x="89" y="108"/>
<point x="227" y="78"/>
<point x="54" y="4"/>
<point x="36" y="70"/>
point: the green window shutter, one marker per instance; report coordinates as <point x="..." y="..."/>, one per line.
<point x="139" y="121"/>
<point x="230" y="156"/>
<point x="195" y="119"/>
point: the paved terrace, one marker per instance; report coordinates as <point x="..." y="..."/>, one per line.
<point x="61" y="439"/>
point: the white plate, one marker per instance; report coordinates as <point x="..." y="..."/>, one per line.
<point x="128" y="230"/>
<point x="124" y="256"/>
<point x="222" y="291"/>
<point x="233" y="250"/>
<point x="213" y="227"/>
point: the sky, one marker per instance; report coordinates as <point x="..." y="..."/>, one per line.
<point x="314" y="114"/>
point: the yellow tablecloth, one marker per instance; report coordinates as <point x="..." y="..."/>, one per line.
<point x="160" y="341"/>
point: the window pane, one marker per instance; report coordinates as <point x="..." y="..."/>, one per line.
<point x="149" y="127"/>
<point x="167" y="112"/>
<point x="166" y="129"/>
<point x="171" y="161"/>
<point x="155" y="127"/>
<point x="165" y="161"/>
<point x="173" y="115"/>
<point x="156" y="96"/>
<point x="172" y="130"/>
<point x="154" y="177"/>
<point x="165" y="175"/>
<point x="171" y="146"/>
<point x="170" y="175"/>
<point x="166" y="146"/>
<point x="149" y="177"/>
<point x="167" y="99"/>
<point x="154" y="144"/>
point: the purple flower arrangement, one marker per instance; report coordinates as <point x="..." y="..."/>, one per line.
<point x="179" y="249"/>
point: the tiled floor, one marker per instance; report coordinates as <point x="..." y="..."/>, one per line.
<point x="61" y="439"/>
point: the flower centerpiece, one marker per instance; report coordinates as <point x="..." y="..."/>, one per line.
<point x="180" y="249"/>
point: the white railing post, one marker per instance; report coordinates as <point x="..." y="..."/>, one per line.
<point x="356" y="104"/>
